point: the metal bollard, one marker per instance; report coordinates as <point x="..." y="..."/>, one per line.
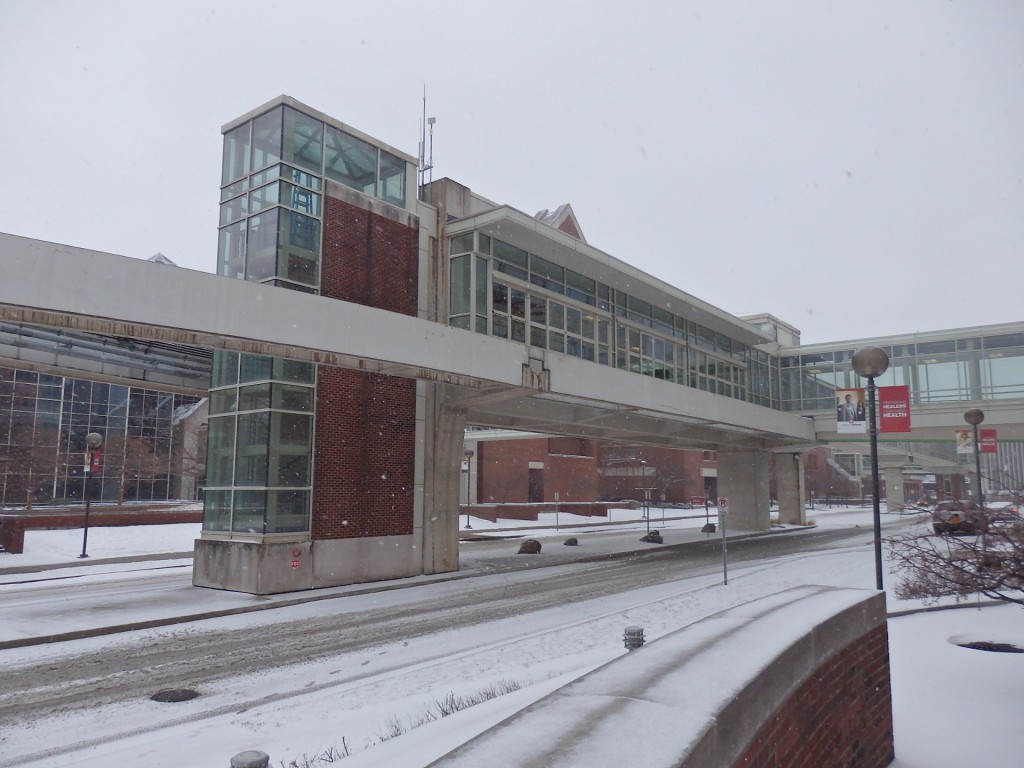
<point x="633" y="637"/>
<point x="251" y="758"/>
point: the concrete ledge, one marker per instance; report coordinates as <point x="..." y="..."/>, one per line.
<point x="270" y="568"/>
<point x="702" y="696"/>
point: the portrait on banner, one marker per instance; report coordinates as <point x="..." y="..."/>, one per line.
<point x="850" y="411"/>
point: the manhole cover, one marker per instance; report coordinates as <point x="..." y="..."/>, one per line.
<point x="997" y="647"/>
<point x="172" y="695"/>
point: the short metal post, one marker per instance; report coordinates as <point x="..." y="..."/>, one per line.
<point x="633" y="637"/>
<point x="251" y="758"/>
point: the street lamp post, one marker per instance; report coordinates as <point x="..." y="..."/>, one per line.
<point x="974" y="417"/>
<point x="93" y="441"/>
<point x="469" y="456"/>
<point x="872" y="362"/>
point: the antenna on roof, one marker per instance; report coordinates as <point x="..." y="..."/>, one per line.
<point x="426" y="154"/>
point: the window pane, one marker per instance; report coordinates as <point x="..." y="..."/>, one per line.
<point x="261" y="253"/>
<point x="287" y="511"/>
<point x="499" y="298"/>
<point x="255" y="368"/>
<point x="217" y="511"/>
<point x="231" y="251"/>
<point x="299" y="244"/>
<point x="392" y="179"/>
<point x="588" y="326"/>
<point x="252" y="446"/>
<point x="223" y="401"/>
<point x="538" y="310"/>
<point x="254" y="397"/>
<point x="547" y="269"/>
<point x="289" y="397"/>
<point x="350" y="161"/>
<point x="294" y="370"/>
<point x="580" y="283"/>
<point x="517" y="304"/>
<point x="295" y="176"/>
<point x="462" y="243"/>
<point x="481" y="281"/>
<point x="220" y="450"/>
<point x="236" y="155"/>
<point x="233" y="209"/>
<point x="557" y="315"/>
<point x="266" y="139"/>
<point x="574" y="320"/>
<point x="264" y="197"/>
<point x="499" y="326"/>
<point x="511" y="254"/>
<point x="249" y="512"/>
<point x="459" y="292"/>
<point x="304" y="137"/>
<point x="225" y="368"/>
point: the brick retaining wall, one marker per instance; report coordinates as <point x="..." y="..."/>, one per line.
<point x="794" y="680"/>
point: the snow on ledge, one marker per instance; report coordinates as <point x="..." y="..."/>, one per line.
<point x="666" y="699"/>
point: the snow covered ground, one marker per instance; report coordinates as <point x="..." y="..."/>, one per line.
<point x="953" y="706"/>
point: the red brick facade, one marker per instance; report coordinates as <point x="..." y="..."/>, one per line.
<point x="588" y="470"/>
<point x="368" y="258"/>
<point x="569" y="469"/>
<point x="365" y="449"/>
<point x="840" y="718"/>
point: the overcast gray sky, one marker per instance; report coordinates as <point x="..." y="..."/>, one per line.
<point x="855" y="168"/>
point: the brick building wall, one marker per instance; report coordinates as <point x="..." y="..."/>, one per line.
<point x="365" y="445"/>
<point x="839" y="718"/>
<point x="503" y="468"/>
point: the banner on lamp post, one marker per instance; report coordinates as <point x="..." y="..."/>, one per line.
<point x="894" y="408"/>
<point x="850" y="411"/>
<point x="964" y="441"/>
<point x="987" y="438"/>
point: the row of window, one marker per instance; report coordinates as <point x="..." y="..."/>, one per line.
<point x="531" y="268"/>
<point x="593" y="323"/>
<point x="977" y="368"/>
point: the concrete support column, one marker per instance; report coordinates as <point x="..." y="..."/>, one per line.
<point x="894" y="499"/>
<point x="440" y="433"/>
<point x="743" y="479"/>
<point x="789" y="482"/>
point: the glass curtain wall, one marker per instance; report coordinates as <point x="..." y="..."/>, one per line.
<point x="259" y="472"/>
<point x="973" y="367"/>
<point x="499" y="289"/>
<point x="260" y="445"/>
<point x="43" y="423"/>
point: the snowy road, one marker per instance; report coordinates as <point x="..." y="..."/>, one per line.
<point x="378" y="648"/>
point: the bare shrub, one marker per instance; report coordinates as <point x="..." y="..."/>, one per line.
<point x="933" y="566"/>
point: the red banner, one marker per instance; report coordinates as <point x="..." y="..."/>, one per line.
<point x="894" y="409"/>
<point x="987" y="438"/>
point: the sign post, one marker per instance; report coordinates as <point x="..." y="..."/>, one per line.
<point x="93" y="465"/>
<point x="723" y="510"/>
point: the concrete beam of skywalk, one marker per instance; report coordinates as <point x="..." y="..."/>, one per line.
<point x="57" y="285"/>
<point x="63" y="286"/>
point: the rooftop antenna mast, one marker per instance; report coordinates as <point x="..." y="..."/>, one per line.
<point x="426" y="153"/>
